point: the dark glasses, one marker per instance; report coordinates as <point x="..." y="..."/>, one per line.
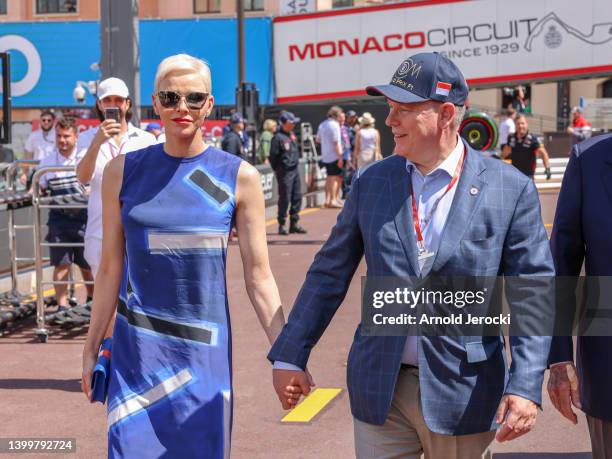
<point x="170" y="99"/>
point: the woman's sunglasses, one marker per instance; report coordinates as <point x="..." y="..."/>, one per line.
<point x="170" y="99"/>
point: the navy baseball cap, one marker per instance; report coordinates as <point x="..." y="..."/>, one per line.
<point x="236" y="118"/>
<point x="425" y="76"/>
<point x="288" y="116"/>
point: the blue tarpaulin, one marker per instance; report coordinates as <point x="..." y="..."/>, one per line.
<point x="47" y="59"/>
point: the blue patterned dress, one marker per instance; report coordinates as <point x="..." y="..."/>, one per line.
<point x="170" y="391"/>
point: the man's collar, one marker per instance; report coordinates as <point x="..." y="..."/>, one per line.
<point x="70" y="156"/>
<point x="132" y="131"/>
<point x="522" y="137"/>
<point x="449" y="165"/>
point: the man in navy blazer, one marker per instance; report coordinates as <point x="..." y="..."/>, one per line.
<point x="582" y="233"/>
<point x="477" y="216"/>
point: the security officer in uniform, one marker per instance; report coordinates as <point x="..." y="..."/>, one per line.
<point x="284" y="158"/>
<point x="523" y="148"/>
<point x="233" y="140"/>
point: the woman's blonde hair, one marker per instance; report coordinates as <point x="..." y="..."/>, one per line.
<point x="269" y="125"/>
<point x="183" y="62"/>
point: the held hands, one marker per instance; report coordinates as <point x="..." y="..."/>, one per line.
<point x="563" y="390"/>
<point x="290" y="385"/>
<point x="340" y="163"/>
<point x="108" y="129"/>
<point x="548" y="173"/>
<point x="516" y="416"/>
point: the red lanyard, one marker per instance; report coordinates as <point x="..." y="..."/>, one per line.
<point x="415" y="210"/>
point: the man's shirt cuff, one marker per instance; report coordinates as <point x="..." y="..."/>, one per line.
<point x="559" y="363"/>
<point x="278" y="365"/>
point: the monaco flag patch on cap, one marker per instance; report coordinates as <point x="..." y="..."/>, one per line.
<point x="443" y="89"/>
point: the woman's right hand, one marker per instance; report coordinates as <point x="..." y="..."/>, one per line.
<point x="89" y="363"/>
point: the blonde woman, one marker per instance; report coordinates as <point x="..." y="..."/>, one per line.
<point x="170" y="208"/>
<point x="265" y="140"/>
<point x="367" y="142"/>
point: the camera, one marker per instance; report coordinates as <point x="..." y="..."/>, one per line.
<point x="79" y="94"/>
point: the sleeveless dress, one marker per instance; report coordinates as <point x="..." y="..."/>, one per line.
<point x="170" y="389"/>
<point x="367" y="153"/>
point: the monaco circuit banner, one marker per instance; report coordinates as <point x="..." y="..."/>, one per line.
<point x="338" y="53"/>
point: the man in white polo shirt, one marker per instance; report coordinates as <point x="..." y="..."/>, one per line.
<point x="41" y="142"/>
<point x="65" y="225"/>
<point x="329" y="136"/>
<point x="113" y="138"/>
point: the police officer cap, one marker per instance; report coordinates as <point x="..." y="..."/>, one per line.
<point x="236" y="118"/>
<point x="424" y="76"/>
<point x="288" y="116"/>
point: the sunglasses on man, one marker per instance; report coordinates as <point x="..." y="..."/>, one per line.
<point x="193" y="100"/>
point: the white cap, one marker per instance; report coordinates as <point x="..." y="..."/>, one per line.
<point x="112" y="87"/>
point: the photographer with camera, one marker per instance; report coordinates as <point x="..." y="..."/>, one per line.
<point x="115" y="136"/>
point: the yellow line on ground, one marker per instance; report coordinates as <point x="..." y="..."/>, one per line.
<point x="548" y="225"/>
<point x="46" y="293"/>
<point x="303" y="212"/>
<point x="311" y="405"/>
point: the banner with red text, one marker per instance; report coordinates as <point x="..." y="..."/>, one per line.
<point x="338" y="53"/>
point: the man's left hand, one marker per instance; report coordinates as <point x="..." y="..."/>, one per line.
<point x="564" y="389"/>
<point x="516" y="416"/>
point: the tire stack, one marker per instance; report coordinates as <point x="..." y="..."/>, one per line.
<point x="480" y="132"/>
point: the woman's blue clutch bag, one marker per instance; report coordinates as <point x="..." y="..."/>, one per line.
<point x="101" y="373"/>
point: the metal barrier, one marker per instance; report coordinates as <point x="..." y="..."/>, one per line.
<point x="314" y="175"/>
<point x="11" y="181"/>
<point x="308" y="146"/>
<point x="74" y="201"/>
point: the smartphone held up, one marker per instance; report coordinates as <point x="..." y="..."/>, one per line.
<point x="112" y="113"/>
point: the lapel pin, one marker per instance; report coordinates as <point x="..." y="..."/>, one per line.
<point x="473" y="191"/>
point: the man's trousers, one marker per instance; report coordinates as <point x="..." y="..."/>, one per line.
<point x="289" y="192"/>
<point x="405" y="435"/>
